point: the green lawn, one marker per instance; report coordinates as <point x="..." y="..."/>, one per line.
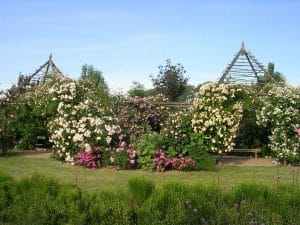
<point x="110" y="178"/>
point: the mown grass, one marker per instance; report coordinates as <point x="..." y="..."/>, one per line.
<point x="90" y="180"/>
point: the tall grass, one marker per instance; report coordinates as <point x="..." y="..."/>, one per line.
<point x="43" y="200"/>
<point x="140" y="188"/>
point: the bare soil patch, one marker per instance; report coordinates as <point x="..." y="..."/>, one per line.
<point x="245" y="161"/>
<point x="38" y="154"/>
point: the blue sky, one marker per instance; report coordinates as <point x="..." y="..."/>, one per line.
<point x="128" y="40"/>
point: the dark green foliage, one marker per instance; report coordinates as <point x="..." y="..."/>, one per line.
<point x="251" y="135"/>
<point x="24" y="122"/>
<point x="39" y="200"/>
<point x="170" y="81"/>
<point x="7" y="130"/>
<point x="106" y="157"/>
<point x="197" y="151"/>
<point x="189" y="94"/>
<point x="146" y="148"/>
<point x="28" y="126"/>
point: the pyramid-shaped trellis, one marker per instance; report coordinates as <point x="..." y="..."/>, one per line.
<point x="244" y="68"/>
<point x="45" y="70"/>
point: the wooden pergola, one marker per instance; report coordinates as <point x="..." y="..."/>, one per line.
<point x="47" y="69"/>
<point x="244" y="69"/>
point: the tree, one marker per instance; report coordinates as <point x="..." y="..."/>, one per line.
<point x="88" y="71"/>
<point x="189" y="94"/>
<point x="272" y="76"/>
<point x="138" y="90"/>
<point x="277" y="76"/>
<point x="170" y="81"/>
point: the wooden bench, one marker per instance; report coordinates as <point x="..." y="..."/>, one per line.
<point x="40" y="141"/>
<point x="255" y="151"/>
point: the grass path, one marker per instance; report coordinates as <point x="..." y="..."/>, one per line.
<point x="110" y="178"/>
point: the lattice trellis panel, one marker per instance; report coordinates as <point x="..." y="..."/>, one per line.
<point x="244" y="68"/>
<point x="45" y="70"/>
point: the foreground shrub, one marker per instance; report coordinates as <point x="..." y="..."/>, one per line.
<point x="40" y="200"/>
<point x="108" y="208"/>
<point x="140" y="189"/>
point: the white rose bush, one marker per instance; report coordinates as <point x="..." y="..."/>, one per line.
<point x="280" y="111"/>
<point x="216" y="115"/>
<point x="80" y="119"/>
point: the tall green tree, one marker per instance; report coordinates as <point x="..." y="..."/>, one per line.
<point x="277" y="76"/>
<point x="170" y="81"/>
<point x="272" y="76"/>
<point x="88" y="71"/>
<point x="138" y="90"/>
<point x="189" y="94"/>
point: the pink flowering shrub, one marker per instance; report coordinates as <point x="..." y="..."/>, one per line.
<point x="298" y="132"/>
<point x="124" y="157"/>
<point x="139" y="113"/>
<point x="184" y="164"/>
<point x="90" y="157"/>
<point x="162" y="162"/>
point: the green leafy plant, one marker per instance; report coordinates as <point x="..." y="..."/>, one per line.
<point x="177" y="133"/>
<point x="146" y="147"/>
<point x="197" y="151"/>
<point x="124" y="156"/>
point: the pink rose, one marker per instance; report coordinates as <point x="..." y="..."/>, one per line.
<point x="298" y="132"/>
